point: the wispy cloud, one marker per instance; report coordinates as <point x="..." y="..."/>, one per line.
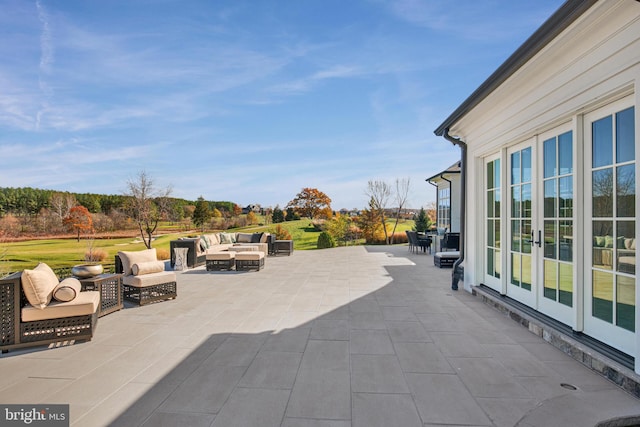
<point x="306" y="84"/>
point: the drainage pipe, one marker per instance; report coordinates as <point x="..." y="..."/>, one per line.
<point x="458" y="270"/>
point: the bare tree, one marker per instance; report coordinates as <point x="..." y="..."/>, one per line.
<point x="401" y="197"/>
<point x="146" y="204"/>
<point x="61" y="203"/>
<point x="379" y="192"/>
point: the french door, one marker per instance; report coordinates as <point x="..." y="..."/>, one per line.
<point x="610" y="225"/>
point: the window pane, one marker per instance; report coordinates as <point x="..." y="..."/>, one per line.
<point x="602" y="301"/>
<point x="602" y="132"/>
<point x="526" y="237"/>
<point x="565" y="153"/>
<point x="526" y="272"/>
<point x="515" y="168"/>
<point x="626" y="246"/>
<point x="550" y="198"/>
<point x="566" y="284"/>
<point x="490" y="183"/>
<point x="603" y="193"/>
<point x="498" y="264"/>
<point x="515" y="269"/>
<point x="515" y="233"/>
<point x="566" y="197"/>
<point x="526" y="164"/>
<point x="603" y="244"/>
<point x="497" y="233"/>
<point x="550" y="158"/>
<point x="490" y="262"/>
<point x="496" y="208"/>
<point x="565" y="237"/>
<point x="626" y="191"/>
<point x="625" y="135"/>
<point x="550" y="279"/>
<point x="626" y="303"/>
<point x="496" y="171"/>
<point x="550" y="239"/>
<point x="526" y="201"/>
<point x="490" y="236"/>
<point x="490" y="204"/>
<point x="515" y="202"/>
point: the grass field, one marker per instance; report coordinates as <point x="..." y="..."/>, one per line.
<point x="61" y="253"/>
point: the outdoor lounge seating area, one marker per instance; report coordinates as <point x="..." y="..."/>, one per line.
<point x="197" y="248"/>
<point x="145" y="280"/>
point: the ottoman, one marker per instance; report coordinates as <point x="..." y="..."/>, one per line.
<point x="249" y="260"/>
<point x="445" y="259"/>
<point x="217" y="261"/>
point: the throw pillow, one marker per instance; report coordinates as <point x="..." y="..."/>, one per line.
<point x="67" y="290"/>
<point x="225" y="238"/>
<point x="147" y="267"/>
<point x="130" y="258"/>
<point x="38" y="285"/>
<point x="256" y="238"/>
<point x="206" y="241"/>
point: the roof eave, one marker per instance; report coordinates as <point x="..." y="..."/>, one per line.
<point x="552" y="27"/>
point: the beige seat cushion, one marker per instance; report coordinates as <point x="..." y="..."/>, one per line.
<point x="130" y="258"/>
<point x="149" y="279"/>
<point x="220" y="256"/>
<point x="67" y="290"/>
<point x="85" y="303"/>
<point x="249" y="256"/>
<point x="147" y="267"/>
<point x="263" y="247"/>
<point x="38" y="285"/>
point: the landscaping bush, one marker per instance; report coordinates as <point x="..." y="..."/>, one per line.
<point x="281" y="233"/>
<point x="325" y="241"/>
<point x="163" y="254"/>
<point x="95" y="255"/>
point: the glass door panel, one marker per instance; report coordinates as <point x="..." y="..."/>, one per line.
<point x="493" y="234"/>
<point x="610" y="184"/>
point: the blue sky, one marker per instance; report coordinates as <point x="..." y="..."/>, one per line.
<point x="245" y="101"/>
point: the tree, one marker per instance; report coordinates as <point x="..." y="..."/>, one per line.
<point x="252" y="218"/>
<point x="202" y="213"/>
<point x="277" y="215"/>
<point x="61" y="204"/>
<point x="379" y="193"/>
<point x="370" y="223"/>
<point x="79" y="220"/>
<point x="421" y="221"/>
<point x="146" y="204"/>
<point x="401" y="198"/>
<point x="309" y="202"/>
<point x="291" y="214"/>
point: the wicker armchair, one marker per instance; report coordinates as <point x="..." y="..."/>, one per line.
<point x="147" y="288"/>
<point x="17" y="333"/>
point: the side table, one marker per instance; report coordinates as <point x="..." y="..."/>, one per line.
<point x="110" y="288"/>
<point x="283" y="247"/>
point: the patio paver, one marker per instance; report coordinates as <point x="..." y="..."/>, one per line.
<point x="352" y="336"/>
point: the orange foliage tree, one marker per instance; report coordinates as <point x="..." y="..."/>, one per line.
<point x="79" y="220"/>
<point x="310" y="202"/>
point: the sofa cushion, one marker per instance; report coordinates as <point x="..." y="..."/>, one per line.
<point x="147" y="267"/>
<point x="150" y="279"/>
<point x="214" y="239"/>
<point x="204" y="238"/>
<point x="38" y="285"/>
<point x="227" y="238"/>
<point x="67" y="290"/>
<point x="130" y="258"/>
<point x="256" y="237"/>
<point x="85" y="303"/>
<point x="244" y="237"/>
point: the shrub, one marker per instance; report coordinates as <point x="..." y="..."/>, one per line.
<point x="163" y="254"/>
<point x="325" y="241"/>
<point x="281" y="233"/>
<point x="95" y="255"/>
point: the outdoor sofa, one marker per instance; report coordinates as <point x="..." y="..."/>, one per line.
<point x="199" y="247"/>
<point x="38" y="309"/>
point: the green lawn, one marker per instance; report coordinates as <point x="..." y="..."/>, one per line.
<point x="60" y="253"/>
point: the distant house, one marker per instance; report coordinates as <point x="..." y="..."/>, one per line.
<point x="548" y="173"/>
<point x="448" y="195"/>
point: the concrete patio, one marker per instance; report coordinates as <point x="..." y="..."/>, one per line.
<point x="355" y="336"/>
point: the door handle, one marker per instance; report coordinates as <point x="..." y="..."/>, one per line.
<point x="539" y="242"/>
